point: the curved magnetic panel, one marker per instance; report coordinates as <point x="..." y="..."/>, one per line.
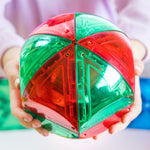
<point x="54" y="127"/>
<point x="63" y="26"/>
<point x="35" y="52"/>
<point x="99" y="88"/>
<point x="115" y="48"/>
<point x="88" y="24"/>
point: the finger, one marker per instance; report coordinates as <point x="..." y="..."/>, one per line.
<point x="17" y="83"/>
<point x="99" y="135"/>
<point x="33" y="124"/>
<point x="12" y="71"/>
<point x="42" y="131"/>
<point x="135" y="111"/>
<point x="16" y="106"/>
<point x="36" y="123"/>
<point x="139" y="50"/>
<point x="95" y="137"/>
<point x="137" y="105"/>
<point x="15" y="98"/>
<point x="139" y="67"/>
<point x="118" y="127"/>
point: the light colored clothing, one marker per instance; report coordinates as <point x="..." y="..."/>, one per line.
<point x="19" y="17"/>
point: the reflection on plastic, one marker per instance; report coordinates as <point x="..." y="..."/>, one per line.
<point x="77" y="80"/>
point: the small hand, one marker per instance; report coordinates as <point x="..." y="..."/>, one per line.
<point x="137" y="105"/>
<point x="139" y="53"/>
<point x="11" y="68"/>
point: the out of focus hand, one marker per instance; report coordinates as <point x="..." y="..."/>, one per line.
<point x="139" y="53"/>
<point x="10" y="62"/>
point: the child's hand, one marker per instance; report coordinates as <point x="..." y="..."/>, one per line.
<point x="139" y="52"/>
<point x="10" y="62"/>
<point x="137" y="106"/>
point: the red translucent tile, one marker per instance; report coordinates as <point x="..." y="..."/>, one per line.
<point x="114" y="47"/>
<point x="63" y="26"/>
<point x="117" y="117"/>
<point x="49" y="114"/>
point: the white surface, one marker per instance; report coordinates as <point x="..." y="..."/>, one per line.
<point x="128" y="139"/>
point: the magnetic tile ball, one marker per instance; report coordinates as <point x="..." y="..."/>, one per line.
<point x="77" y="75"/>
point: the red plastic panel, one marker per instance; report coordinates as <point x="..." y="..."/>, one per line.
<point x="49" y="114"/>
<point x="95" y="130"/>
<point x="113" y="47"/>
<point x="54" y="86"/>
<point x="117" y="117"/>
<point x="104" y="125"/>
<point x="63" y="26"/>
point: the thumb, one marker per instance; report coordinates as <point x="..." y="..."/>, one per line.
<point x="139" y="67"/>
<point x="11" y="69"/>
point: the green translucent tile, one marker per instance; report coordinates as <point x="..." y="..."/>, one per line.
<point x="87" y="24"/>
<point x="37" y="50"/>
<point x="101" y="90"/>
<point x="7" y="121"/>
<point x="54" y="128"/>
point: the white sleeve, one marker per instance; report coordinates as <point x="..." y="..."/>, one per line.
<point x="8" y="35"/>
<point x="134" y="20"/>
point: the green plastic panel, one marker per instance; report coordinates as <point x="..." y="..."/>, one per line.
<point x="101" y="90"/>
<point x="7" y="121"/>
<point x="37" y="50"/>
<point x="54" y="128"/>
<point x="88" y="24"/>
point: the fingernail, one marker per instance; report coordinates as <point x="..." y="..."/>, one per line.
<point x="95" y="138"/>
<point x="17" y="83"/>
<point x="27" y="119"/>
<point x="112" y="131"/>
<point x="45" y="133"/>
<point x="36" y="125"/>
<point x="138" y="69"/>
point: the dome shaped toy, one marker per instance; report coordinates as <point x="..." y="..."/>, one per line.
<point x="77" y="75"/>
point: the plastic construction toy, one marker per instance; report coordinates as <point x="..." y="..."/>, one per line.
<point x="77" y="75"/>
